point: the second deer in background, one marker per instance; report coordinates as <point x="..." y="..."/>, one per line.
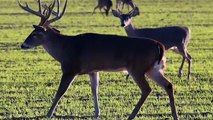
<point x="123" y="2"/>
<point x="175" y="38"/>
<point x="106" y="4"/>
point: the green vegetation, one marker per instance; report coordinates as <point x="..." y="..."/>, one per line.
<point x="29" y="79"/>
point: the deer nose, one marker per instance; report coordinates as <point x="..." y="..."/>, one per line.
<point x="122" y="25"/>
<point x="24" y="46"/>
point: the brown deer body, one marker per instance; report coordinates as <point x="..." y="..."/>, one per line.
<point x="175" y="38"/>
<point x="123" y="2"/>
<point x="106" y="4"/>
<point x="89" y="53"/>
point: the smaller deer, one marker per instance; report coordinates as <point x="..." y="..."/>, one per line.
<point x="175" y="38"/>
<point x="106" y="4"/>
<point x="123" y="2"/>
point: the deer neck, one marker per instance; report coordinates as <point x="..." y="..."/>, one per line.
<point x="54" y="44"/>
<point x="130" y="30"/>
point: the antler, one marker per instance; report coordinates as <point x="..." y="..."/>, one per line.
<point x="57" y="14"/>
<point x="134" y="11"/>
<point x="45" y="14"/>
<point x="119" y="11"/>
<point x="27" y="8"/>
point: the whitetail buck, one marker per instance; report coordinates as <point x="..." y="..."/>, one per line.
<point x="123" y="2"/>
<point x="89" y="53"/>
<point x="175" y="38"/>
<point x="105" y="4"/>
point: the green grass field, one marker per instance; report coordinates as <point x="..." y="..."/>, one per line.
<point x="29" y="79"/>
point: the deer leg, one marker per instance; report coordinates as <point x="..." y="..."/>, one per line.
<point x="101" y="11"/>
<point x="145" y="88"/>
<point x="186" y="56"/>
<point x="189" y="59"/>
<point x="94" y="79"/>
<point x="181" y="67"/>
<point x="66" y="80"/>
<point x="106" y="11"/>
<point x="94" y="9"/>
<point x="158" y="77"/>
<point x="181" y="52"/>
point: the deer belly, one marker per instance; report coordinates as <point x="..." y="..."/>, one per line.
<point x="102" y="67"/>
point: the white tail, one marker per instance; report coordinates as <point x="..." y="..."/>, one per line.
<point x="175" y="37"/>
<point x="89" y="53"/>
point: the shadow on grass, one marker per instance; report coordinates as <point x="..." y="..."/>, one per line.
<point x="54" y="117"/>
<point x="184" y="115"/>
<point x="204" y="114"/>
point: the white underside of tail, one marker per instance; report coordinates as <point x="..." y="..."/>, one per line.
<point x="158" y="67"/>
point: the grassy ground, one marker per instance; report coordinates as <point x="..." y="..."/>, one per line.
<point x="29" y="79"/>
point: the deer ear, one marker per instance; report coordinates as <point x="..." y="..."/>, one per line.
<point x="38" y="27"/>
<point x="116" y="13"/>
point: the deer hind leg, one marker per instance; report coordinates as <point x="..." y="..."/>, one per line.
<point x="144" y="87"/>
<point x="189" y="59"/>
<point x="66" y="80"/>
<point x="186" y="56"/>
<point x="106" y="11"/>
<point x="94" y="79"/>
<point x="158" y="77"/>
<point x="101" y="10"/>
<point x="181" y="67"/>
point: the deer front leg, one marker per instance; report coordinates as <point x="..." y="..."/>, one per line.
<point x="94" y="9"/>
<point x="94" y="79"/>
<point x="66" y="80"/>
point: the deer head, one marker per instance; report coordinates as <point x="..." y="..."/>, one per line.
<point x="38" y="35"/>
<point x="126" y="18"/>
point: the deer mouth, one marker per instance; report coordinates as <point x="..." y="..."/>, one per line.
<point x="25" y="46"/>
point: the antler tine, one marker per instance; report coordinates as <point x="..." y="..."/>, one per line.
<point x="119" y="11"/>
<point x="28" y="9"/>
<point x="46" y="14"/>
<point x="135" y="9"/>
<point x="57" y="14"/>
<point x="46" y="7"/>
<point x="58" y="8"/>
<point x="49" y="10"/>
<point x="64" y="8"/>
<point x="39" y="6"/>
<point x="130" y="12"/>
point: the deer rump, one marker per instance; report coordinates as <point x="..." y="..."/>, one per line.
<point x="97" y="52"/>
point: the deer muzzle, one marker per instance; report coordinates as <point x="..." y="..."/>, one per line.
<point x="25" y="46"/>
